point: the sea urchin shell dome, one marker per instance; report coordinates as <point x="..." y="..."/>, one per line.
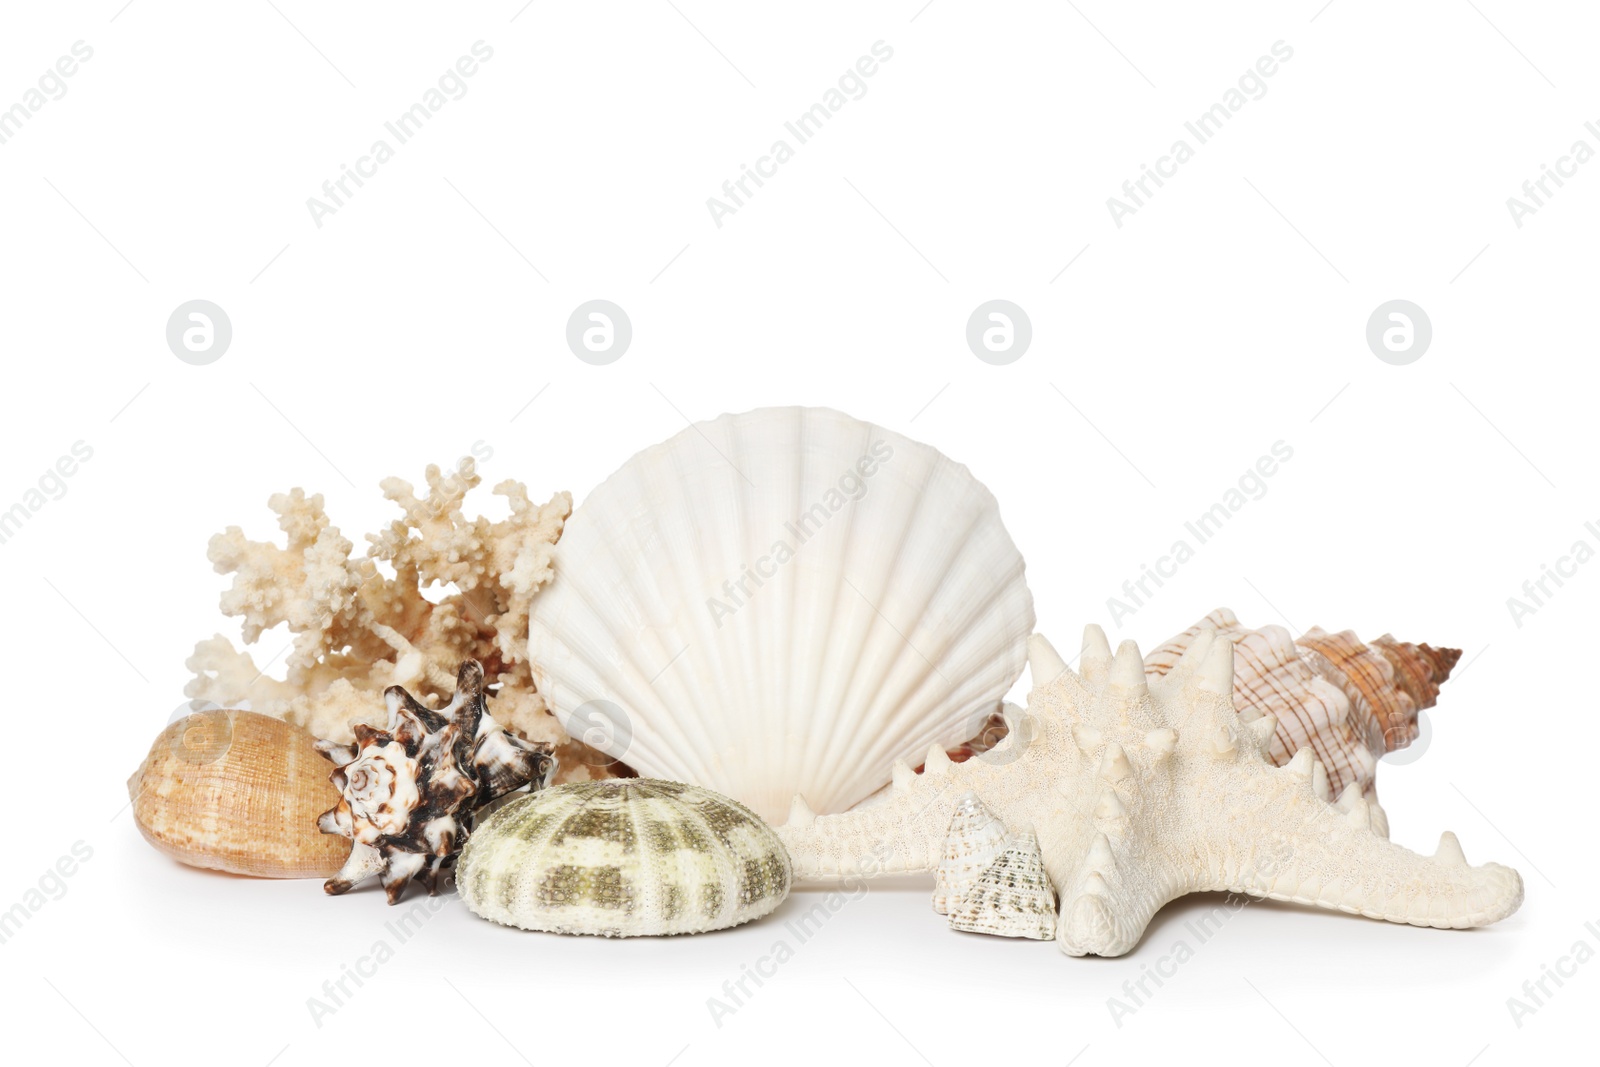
<point x="624" y="858"/>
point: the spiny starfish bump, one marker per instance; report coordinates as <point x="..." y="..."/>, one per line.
<point x="1141" y="791"/>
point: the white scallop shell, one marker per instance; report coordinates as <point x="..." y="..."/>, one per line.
<point x="784" y="601"/>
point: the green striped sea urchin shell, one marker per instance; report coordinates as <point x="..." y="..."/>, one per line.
<point x="624" y="858"/>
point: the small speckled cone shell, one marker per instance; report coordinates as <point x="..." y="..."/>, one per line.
<point x="239" y="792"/>
<point x="623" y="858"/>
<point x="1012" y="898"/>
<point x="975" y="840"/>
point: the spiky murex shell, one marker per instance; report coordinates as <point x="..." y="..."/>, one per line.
<point x="408" y="793"/>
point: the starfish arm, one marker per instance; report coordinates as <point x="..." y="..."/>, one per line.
<point x="1106" y="906"/>
<point x="1282" y="842"/>
<point x="905" y="833"/>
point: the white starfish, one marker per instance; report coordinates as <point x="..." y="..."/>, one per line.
<point x="1140" y="793"/>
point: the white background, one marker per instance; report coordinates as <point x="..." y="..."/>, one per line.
<point x="1227" y="314"/>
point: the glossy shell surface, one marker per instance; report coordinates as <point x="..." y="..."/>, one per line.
<point x="239" y="792"/>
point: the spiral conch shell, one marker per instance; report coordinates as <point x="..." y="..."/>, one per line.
<point x="238" y="792"/>
<point x="1347" y="700"/>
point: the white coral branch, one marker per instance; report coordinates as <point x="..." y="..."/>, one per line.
<point x="357" y="631"/>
